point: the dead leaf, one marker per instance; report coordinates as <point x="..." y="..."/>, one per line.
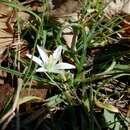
<point x="114" y="7"/>
<point x="62" y="7"/>
<point x="68" y="36"/>
<point x="68" y="33"/>
<point x="37" y="92"/>
<point x="126" y="7"/>
<point x="7" y="20"/>
<point x="125" y="26"/>
<point x="6" y="92"/>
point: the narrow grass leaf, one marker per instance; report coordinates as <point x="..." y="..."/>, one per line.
<point x="106" y="106"/>
<point x="27" y="99"/>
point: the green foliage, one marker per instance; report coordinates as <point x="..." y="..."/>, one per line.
<point x="84" y="93"/>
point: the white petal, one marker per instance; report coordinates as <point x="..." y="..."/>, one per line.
<point x="57" y="54"/>
<point x="41" y="69"/>
<point x="43" y="54"/>
<point x="35" y="59"/>
<point x="64" y="66"/>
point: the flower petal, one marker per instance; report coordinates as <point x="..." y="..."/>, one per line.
<point x="57" y="71"/>
<point x="57" y="54"/>
<point x="43" y="54"/>
<point x="35" y="59"/>
<point x="62" y="66"/>
<point x="41" y="69"/>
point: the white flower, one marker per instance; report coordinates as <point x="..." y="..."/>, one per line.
<point x="52" y="63"/>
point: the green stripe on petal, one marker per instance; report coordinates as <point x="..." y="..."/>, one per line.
<point x="41" y="69"/>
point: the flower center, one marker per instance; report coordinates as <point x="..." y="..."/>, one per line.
<point x="50" y="66"/>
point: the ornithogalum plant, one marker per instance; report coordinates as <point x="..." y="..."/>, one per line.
<point x="51" y="63"/>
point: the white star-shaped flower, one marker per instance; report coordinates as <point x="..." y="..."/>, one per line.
<point x="50" y="63"/>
